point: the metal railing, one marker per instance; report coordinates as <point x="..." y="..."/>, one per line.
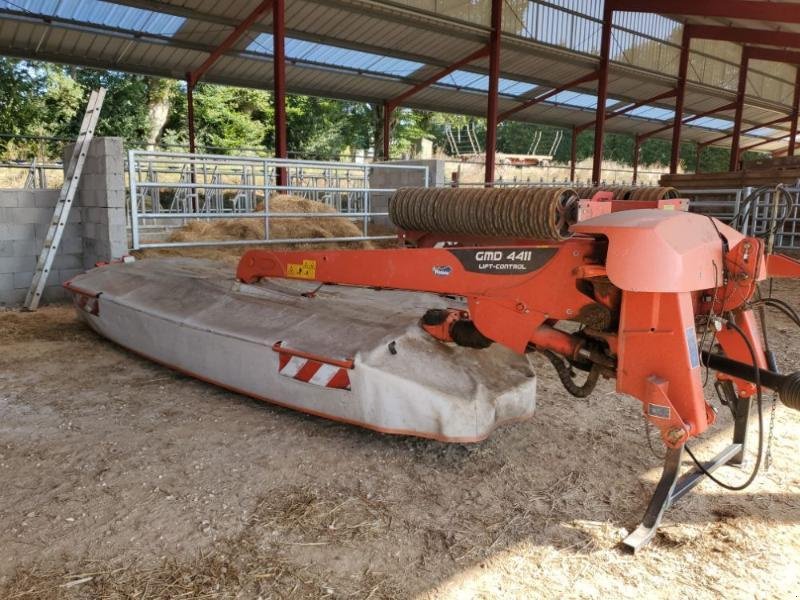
<point x="30" y="175"/>
<point x="759" y="212"/>
<point x="168" y="190"/>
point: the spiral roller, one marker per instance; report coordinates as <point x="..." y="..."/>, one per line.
<point x="622" y="192"/>
<point x="541" y="213"/>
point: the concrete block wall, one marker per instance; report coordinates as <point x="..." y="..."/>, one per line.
<point x="101" y="198"/>
<point x="382" y="178"/>
<point x="25" y="216"/>
<point x="95" y="230"/>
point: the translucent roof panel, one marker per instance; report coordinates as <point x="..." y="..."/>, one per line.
<point x="99" y="12"/>
<point x="713" y="123"/>
<point x="480" y="83"/>
<point x="325" y="54"/>
<point x="579" y="100"/>
<point x="765" y="132"/>
<point x="652" y="112"/>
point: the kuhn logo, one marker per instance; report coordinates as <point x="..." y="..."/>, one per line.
<point x="442" y="271"/>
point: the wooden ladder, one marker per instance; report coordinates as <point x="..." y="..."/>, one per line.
<point x="72" y="178"/>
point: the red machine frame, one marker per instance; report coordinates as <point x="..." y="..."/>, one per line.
<point x="637" y="281"/>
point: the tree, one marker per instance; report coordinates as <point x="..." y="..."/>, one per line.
<point x="125" y="109"/>
<point x="160" y="95"/>
<point x="20" y="85"/>
<point x="229" y="118"/>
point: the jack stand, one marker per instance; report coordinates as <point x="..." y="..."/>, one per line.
<point x="671" y="487"/>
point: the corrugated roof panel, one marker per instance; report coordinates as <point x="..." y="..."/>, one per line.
<point x="101" y="13"/>
<point x="338" y="57"/>
<point x="525" y="65"/>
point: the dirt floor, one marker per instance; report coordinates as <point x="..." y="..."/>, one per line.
<point x="121" y="479"/>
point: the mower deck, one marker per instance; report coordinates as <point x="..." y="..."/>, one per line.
<point x="349" y="354"/>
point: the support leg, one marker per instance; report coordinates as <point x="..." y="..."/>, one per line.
<point x="659" y="503"/>
<point x="671" y="487"/>
<point x="741" y="416"/>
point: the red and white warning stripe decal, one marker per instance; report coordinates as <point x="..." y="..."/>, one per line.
<point x="316" y="370"/>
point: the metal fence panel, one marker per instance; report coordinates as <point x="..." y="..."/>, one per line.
<point x="168" y="189"/>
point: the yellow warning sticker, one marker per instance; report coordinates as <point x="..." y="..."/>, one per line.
<point x="306" y="270"/>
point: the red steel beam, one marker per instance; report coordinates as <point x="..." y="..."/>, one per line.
<point x="795" y="113"/>
<point x="392" y="104"/>
<point x="687" y="120"/>
<point x="482" y="52"/>
<point x="602" y="94"/>
<point x="744" y="35"/>
<point x="762" y="142"/>
<point x="785" y="12"/>
<point x="629" y="108"/>
<point x="680" y="96"/>
<point x="547" y="95"/>
<point x="229" y="41"/>
<point x="772" y="54"/>
<point x="737" y="120"/>
<point x="494" y="89"/>
<point x="748" y="130"/>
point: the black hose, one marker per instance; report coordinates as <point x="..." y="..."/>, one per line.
<point x="747" y="207"/>
<point x="563" y="370"/>
<point x="759" y="403"/>
<point x="781" y="306"/>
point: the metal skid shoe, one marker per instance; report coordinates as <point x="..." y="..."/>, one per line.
<point x="672" y="486"/>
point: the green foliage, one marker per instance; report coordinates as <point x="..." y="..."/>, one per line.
<point x="20" y="87"/>
<point x="322" y="129"/>
<point x="125" y="107"/>
<point x="63" y="100"/>
<point x="229" y="118"/>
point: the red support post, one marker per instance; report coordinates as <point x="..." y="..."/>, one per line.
<point x="683" y="68"/>
<point x="195" y="201"/>
<point x="795" y="113"/>
<point x="190" y="113"/>
<point x="387" y="129"/>
<point x="494" y="89"/>
<point x="698" y="155"/>
<point x="602" y="94"/>
<point x="737" y="121"/>
<point x="279" y="83"/>
<point x="573" y="153"/>
<point x="637" y="147"/>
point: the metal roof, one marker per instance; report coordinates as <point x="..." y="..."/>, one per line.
<point x="374" y="50"/>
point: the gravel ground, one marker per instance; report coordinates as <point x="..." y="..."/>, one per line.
<point x="122" y="479"/>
